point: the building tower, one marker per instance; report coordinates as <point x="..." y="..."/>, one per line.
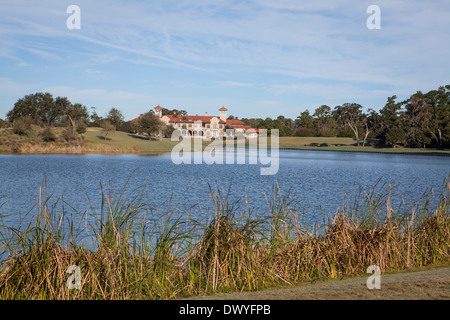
<point x="158" y="111"/>
<point x="223" y="114"/>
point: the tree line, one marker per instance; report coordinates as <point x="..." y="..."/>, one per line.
<point x="43" y="110"/>
<point x="420" y="121"/>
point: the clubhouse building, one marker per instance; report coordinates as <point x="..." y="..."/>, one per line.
<point x="206" y="126"/>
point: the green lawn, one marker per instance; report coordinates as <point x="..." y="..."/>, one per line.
<point x="346" y="144"/>
<point x="123" y="139"/>
<point x="122" y="142"/>
<point x="294" y="142"/>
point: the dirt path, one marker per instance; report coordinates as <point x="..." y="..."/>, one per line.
<point x="423" y="285"/>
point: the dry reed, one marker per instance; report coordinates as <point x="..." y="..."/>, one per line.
<point x="50" y="148"/>
<point x="179" y="257"/>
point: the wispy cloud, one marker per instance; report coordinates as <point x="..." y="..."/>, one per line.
<point x="95" y="94"/>
<point x="291" y="47"/>
<point x="9" y="87"/>
<point x="320" y="39"/>
<point x="23" y="64"/>
<point x="234" y="84"/>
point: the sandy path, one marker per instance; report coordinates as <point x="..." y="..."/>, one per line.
<point x="423" y="285"/>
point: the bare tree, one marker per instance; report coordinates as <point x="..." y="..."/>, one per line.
<point x="107" y="128"/>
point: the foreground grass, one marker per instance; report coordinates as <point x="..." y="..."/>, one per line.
<point x="138" y="253"/>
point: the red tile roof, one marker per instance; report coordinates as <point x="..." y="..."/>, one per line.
<point x="158" y="107"/>
<point x="203" y="119"/>
<point x="223" y="109"/>
<point x="235" y="122"/>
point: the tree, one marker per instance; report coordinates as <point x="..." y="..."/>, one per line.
<point x="173" y="112"/>
<point x="150" y="123"/>
<point x="439" y="104"/>
<point x="285" y="126"/>
<point x="305" y="120"/>
<point x="418" y="116"/>
<point x="389" y="128"/>
<point x="95" y="119"/>
<point x="285" y="131"/>
<point x="62" y="105"/>
<point x="168" y="130"/>
<point x="350" y="114"/>
<point x="77" y="115"/>
<point x="39" y="106"/>
<point x="108" y="128"/>
<point x="44" y="110"/>
<point x="305" y="124"/>
<point x="324" y="123"/>
<point x="115" y="117"/>
<point x="48" y="110"/>
<point x="371" y="123"/>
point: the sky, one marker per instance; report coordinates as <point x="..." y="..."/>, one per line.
<point x="258" y="58"/>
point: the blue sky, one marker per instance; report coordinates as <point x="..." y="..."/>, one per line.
<point x="258" y="58"/>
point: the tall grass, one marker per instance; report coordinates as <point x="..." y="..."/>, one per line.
<point x="129" y="250"/>
<point x="28" y="148"/>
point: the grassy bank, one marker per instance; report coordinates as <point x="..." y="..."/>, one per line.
<point x="121" y="139"/>
<point x="92" y="141"/>
<point x="136" y="252"/>
<point x="348" y="145"/>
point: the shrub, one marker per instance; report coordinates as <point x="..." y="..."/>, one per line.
<point x="81" y="128"/>
<point x="22" y="125"/>
<point x="68" y="134"/>
<point x="304" y="132"/>
<point x="326" y="132"/>
<point x="47" y="135"/>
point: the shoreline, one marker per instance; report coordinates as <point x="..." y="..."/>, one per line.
<point x="163" y="151"/>
<point x="126" y="143"/>
<point x="426" y="153"/>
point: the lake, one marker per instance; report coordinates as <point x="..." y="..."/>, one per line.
<point x="317" y="179"/>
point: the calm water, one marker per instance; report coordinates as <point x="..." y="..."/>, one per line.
<point x="313" y="177"/>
